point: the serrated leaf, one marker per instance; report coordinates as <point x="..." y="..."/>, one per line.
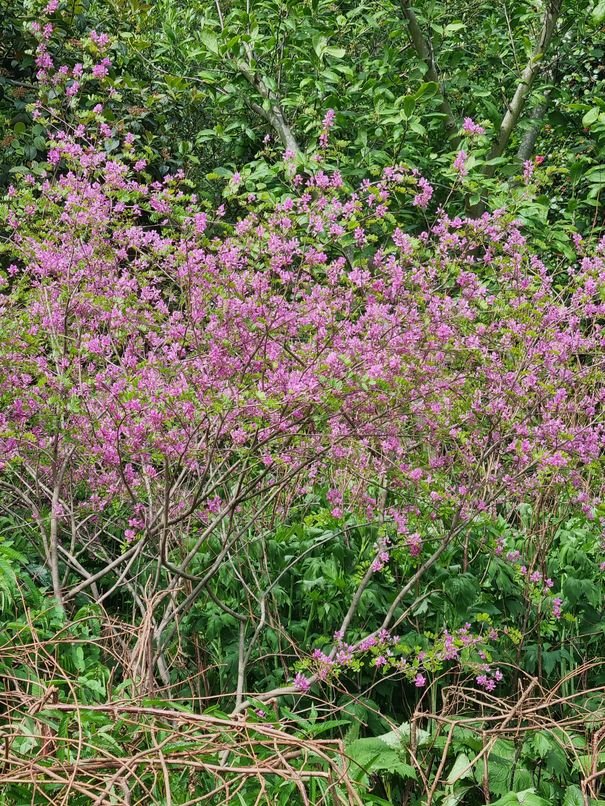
<point x="573" y="796"/>
<point x="373" y="755"/>
<point x="461" y="768"/>
<point x="542" y="743"/>
<point x="454" y="798"/>
<point x="527" y="796"/>
<point x="401" y="736"/>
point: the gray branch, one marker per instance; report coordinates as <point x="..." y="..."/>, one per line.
<point x="532" y="68"/>
<point x="271" y="111"/>
<point x="424" y="50"/>
<point x="528" y="141"/>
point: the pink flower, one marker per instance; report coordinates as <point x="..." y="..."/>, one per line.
<point x="301" y="683"/>
<point x="460" y="163"/>
<point x="329" y="119"/>
<point x="200" y="222"/>
<point x="420" y="680"/>
<point x="423" y="198"/>
<point x="528" y="170"/>
<point x="471" y="128"/>
<point x="101" y="40"/>
<point x="102" y="69"/>
<point x="414" y="544"/>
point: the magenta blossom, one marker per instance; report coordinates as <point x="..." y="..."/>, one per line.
<point x="471" y="128"/>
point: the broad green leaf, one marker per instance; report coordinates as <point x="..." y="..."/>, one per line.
<point x="573" y="796"/>
<point x="452" y="27"/>
<point x="590" y="117"/>
<point x="373" y="755"/>
<point x="462" y="768"/>
<point x="319" y="43"/>
<point x="337" y="53"/>
<point x="401" y="736"/>
<point x="409" y="104"/>
<point x="454" y="798"/>
<point x="527" y="797"/>
<point x="210" y="41"/>
<point x="598" y="12"/>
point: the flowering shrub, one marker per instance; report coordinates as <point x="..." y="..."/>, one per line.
<point x="179" y="382"/>
<point x="161" y="365"/>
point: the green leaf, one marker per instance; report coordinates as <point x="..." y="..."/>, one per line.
<point x="590" y="117"/>
<point x="454" y="798"/>
<point x="77" y="654"/>
<point x="409" y="104"/>
<point x="94" y="685"/>
<point x="210" y="41"/>
<point x="319" y="43"/>
<point x="428" y="89"/>
<point x="573" y="796"/>
<point x="596" y="175"/>
<point x="401" y="736"/>
<point x="453" y="27"/>
<point x="337" y="53"/>
<point x="598" y="13"/>
<point x="373" y="755"/>
<point x="462" y="768"/>
<point x="527" y="796"/>
<point x="541" y="743"/>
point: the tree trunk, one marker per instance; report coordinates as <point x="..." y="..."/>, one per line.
<point x="532" y="68"/>
<point x="424" y="50"/>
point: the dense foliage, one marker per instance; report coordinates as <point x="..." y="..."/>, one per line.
<point x="301" y="403"/>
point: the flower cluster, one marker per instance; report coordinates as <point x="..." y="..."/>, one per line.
<point x="390" y="654"/>
<point x="382" y="554"/>
<point x="471" y="128"/>
<point x="161" y="362"/>
<point x="538" y="587"/>
<point x="327" y="124"/>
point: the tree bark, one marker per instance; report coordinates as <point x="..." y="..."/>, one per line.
<point x="424" y="50"/>
<point x="274" y="114"/>
<point x="532" y="68"/>
<point x="528" y="141"/>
